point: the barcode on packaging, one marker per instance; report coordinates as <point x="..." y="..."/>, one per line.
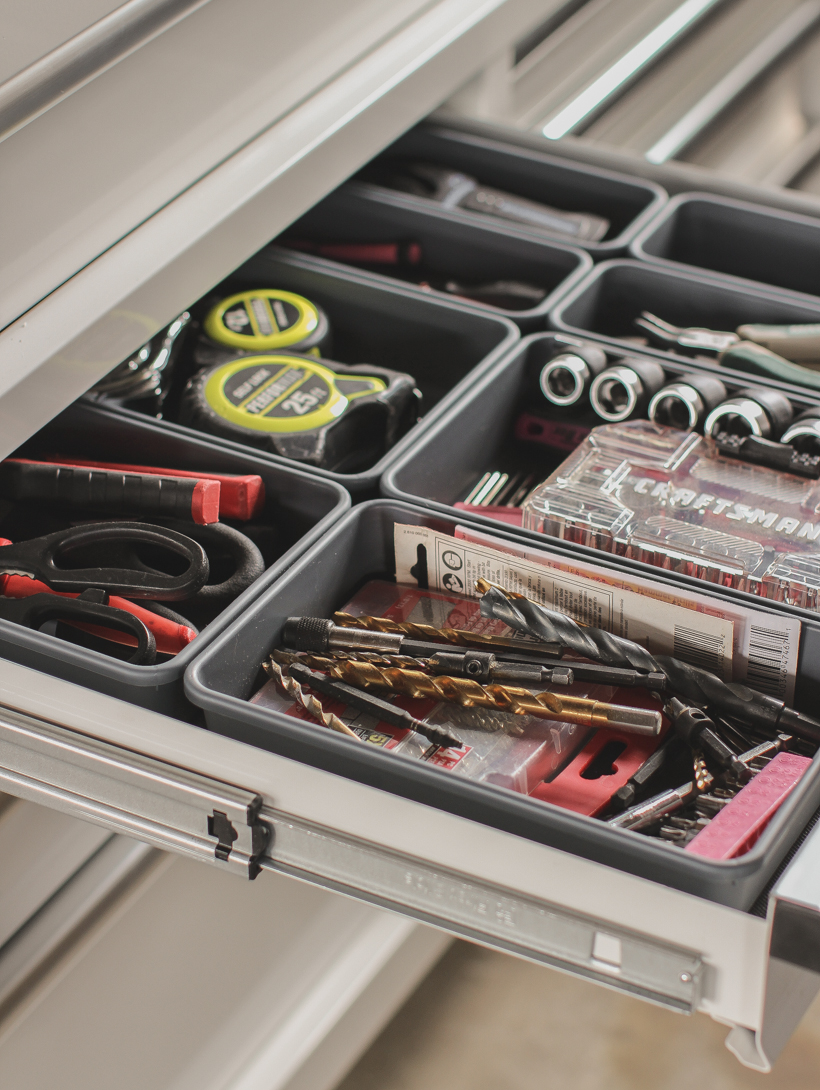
<point x="769" y="654"/>
<point x="699" y="649"/>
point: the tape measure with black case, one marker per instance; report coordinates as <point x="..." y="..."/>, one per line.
<point x="327" y="414"/>
<point x="261" y="320"/>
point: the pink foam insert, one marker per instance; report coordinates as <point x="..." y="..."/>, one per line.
<point x="739" y="824"/>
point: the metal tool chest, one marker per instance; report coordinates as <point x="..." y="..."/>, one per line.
<point x="148" y="150"/>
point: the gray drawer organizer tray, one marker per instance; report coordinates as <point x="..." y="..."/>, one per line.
<point x="604" y="305"/>
<point x="359" y="547"/>
<point x="735" y="238"/>
<point x="475" y="435"/>
<point x="469" y="253"/>
<point x="628" y="203"/>
<point x="445" y="344"/>
<point x="303" y="506"/>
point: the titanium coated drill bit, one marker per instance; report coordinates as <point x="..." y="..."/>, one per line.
<point x="489" y="720"/>
<point x="307" y="701"/>
<point x="468" y="693"/>
<point x="427" y="633"/>
<point x="366" y="702"/>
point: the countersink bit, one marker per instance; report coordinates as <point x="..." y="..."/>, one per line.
<point x="520" y="701"/>
<point x="310" y="703"/>
<point x="366" y="702"/>
<point x="695" y="726"/>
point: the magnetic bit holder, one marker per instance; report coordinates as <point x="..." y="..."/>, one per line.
<point x="483" y="666"/>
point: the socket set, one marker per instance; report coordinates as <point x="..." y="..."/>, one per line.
<point x="560" y="396"/>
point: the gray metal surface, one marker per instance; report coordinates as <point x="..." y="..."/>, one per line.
<point x="69" y="912"/>
<point x="631" y="962"/>
<point x="130" y="793"/>
<point x="74" y="63"/>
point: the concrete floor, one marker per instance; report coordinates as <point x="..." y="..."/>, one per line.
<point x="485" y="1021"/>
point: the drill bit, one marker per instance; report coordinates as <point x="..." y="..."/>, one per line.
<point x="520" y="701"/>
<point x="646" y="813"/>
<point x="367" y="634"/>
<point x="430" y="634"/>
<point x="366" y="702"/>
<point x="310" y="703"/>
<point x="489" y="720"/>
<point x="696" y="685"/>
<point x="479" y="665"/>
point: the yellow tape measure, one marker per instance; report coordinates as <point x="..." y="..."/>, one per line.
<point x="283" y="393"/>
<point x="265" y="320"/>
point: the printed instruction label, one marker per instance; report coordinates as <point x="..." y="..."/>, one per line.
<point x="732" y="641"/>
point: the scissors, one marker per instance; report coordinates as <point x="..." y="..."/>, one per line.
<point x="49" y="559"/>
<point x="89" y="608"/>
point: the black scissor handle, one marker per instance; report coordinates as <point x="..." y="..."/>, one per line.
<point x="89" y="608"/>
<point x="40" y="558"/>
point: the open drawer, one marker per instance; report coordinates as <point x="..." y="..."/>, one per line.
<point x="242" y="809"/>
<point x="130" y="770"/>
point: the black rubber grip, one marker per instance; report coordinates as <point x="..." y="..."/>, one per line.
<point x="101" y="489"/>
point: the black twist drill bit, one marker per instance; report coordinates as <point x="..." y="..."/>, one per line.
<point x="548" y="625"/>
<point x="366" y="702"/>
<point x="696" y="685"/>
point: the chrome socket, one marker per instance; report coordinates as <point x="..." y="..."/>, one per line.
<point x="566" y="379"/>
<point x="764" y="413"/>
<point x="804" y="433"/>
<point x="624" y="390"/>
<point x="686" y="404"/>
